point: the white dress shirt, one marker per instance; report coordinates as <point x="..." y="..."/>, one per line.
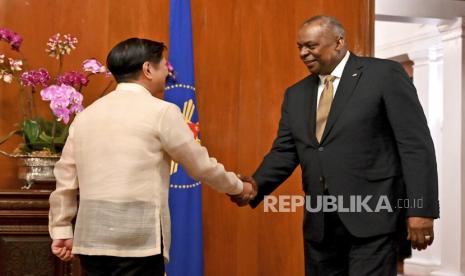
<point x="337" y="72"/>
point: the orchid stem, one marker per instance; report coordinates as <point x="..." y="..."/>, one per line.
<point x="60" y="64"/>
<point x="54" y="126"/>
<point x="31" y="104"/>
<point x="23" y="102"/>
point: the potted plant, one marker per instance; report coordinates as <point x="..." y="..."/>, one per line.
<point x="43" y="139"/>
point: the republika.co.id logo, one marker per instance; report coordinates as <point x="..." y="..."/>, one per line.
<point x="332" y="203"/>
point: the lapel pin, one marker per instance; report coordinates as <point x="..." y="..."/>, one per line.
<point x="354" y="75"/>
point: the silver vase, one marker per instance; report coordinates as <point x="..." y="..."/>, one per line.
<point x="32" y="169"/>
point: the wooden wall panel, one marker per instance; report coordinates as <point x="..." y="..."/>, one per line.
<point x="245" y="57"/>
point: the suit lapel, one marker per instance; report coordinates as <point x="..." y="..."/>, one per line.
<point x="349" y="79"/>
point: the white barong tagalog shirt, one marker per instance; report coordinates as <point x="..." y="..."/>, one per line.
<point x="118" y="157"/>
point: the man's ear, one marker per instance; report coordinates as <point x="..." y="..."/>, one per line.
<point x="147" y="70"/>
<point x="340" y="43"/>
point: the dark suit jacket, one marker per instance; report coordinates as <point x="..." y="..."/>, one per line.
<point x="376" y="142"/>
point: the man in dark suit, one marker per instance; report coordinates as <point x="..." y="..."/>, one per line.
<point x="357" y="129"/>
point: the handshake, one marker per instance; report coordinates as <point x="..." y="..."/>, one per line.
<point x="248" y="193"/>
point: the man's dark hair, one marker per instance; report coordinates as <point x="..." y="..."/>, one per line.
<point x="328" y="22"/>
<point x="125" y="60"/>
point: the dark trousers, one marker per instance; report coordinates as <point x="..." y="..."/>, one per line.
<point x="122" y="266"/>
<point x="341" y="254"/>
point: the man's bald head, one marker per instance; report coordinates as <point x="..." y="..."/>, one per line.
<point x="329" y="23"/>
<point x="321" y="42"/>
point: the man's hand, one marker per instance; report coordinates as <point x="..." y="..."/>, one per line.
<point x="420" y="232"/>
<point x="248" y="193"/>
<point x="62" y="249"/>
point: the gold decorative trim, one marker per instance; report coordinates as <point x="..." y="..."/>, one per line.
<point x="24" y="205"/>
<point x="23" y="229"/>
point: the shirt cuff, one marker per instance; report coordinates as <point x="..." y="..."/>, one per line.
<point x="61" y="232"/>
<point x="238" y="189"/>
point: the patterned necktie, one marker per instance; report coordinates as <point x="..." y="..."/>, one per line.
<point x="324" y="106"/>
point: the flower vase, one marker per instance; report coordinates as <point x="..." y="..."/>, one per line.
<point x="34" y="169"/>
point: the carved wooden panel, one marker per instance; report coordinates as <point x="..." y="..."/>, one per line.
<point x="26" y="255"/>
<point x="24" y="240"/>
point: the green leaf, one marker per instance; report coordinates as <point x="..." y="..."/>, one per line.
<point x="31" y="130"/>
<point x="8" y="136"/>
<point x="59" y="129"/>
<point x="45" y="138"/>
<point x="46" y="126"/>
<point x="37" y="134"/>
<point x="62" y="136"/>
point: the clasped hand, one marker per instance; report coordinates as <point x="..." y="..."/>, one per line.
<point x="248" y="193"/>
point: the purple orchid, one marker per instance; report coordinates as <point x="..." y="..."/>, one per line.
<point x="72" y="78"/>
<point x="11" y="37"/>
<point x="62" y="113"/>
<point x="94" y="66"/>
<point x="35" y="77"/>
<point x="76" y="108"/>
<point x="64" y="101"/>
<point x="56" y="47"/>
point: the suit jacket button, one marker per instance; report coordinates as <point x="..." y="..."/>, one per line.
<point x="321" y="149"/>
